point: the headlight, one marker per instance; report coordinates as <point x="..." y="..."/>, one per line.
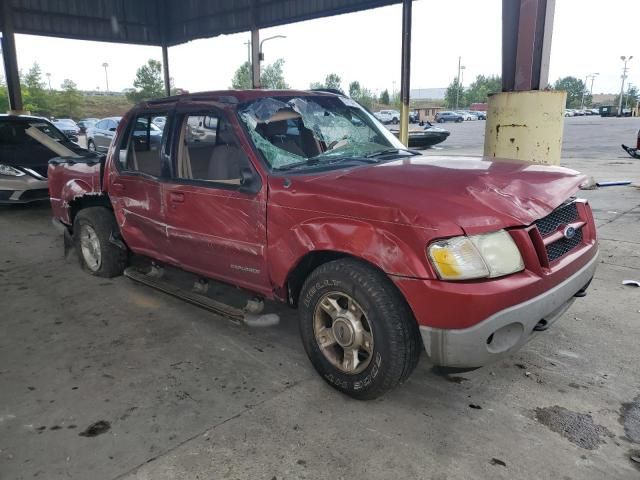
<point x="478" y="256"/>
<point x="12" y="172"/>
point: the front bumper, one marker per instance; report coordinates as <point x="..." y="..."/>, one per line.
<point x="22" y="189"/>
<point x="506" y="331"/>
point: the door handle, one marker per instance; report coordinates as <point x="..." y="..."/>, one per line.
<point x="176" y="197"/>
<point x="117" y="187"/>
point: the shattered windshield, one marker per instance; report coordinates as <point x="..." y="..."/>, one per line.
<point x="299" y="131"/>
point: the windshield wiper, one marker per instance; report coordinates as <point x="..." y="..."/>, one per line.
<point x="315" y="161"/>
<point x="389" y="151"/>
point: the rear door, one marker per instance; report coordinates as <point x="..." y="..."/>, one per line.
<point x="216" y="225"/>
<point x="136" y="186"/>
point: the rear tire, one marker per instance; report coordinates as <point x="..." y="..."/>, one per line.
<point x="92" y="230"/>
<point x="91" y="146"/>
<point x="357" y="329"/>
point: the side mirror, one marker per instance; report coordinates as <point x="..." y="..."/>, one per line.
<point x="249" y="181"/>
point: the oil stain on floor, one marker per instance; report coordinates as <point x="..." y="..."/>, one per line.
<point x="576" y="427"/>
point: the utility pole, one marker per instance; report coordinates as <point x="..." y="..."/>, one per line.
<point x="248" y="44"/>
<point x="460" y="68"/>
<point x="106" y="75"/>
<point x="591" y="76"/>
<point x="49" y="80"/>
<point x="624" y="77"/>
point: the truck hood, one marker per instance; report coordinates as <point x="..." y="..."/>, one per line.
<point x="445" y="194"/>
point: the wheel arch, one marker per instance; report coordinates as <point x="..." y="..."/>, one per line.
<point x="314" y="259"/>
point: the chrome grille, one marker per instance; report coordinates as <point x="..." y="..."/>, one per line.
<point x="563" y="215"/>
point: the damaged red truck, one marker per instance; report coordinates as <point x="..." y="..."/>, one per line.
<point x="304" y="197"/>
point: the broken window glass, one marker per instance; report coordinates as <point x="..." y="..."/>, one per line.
<point x="293" y="130"/>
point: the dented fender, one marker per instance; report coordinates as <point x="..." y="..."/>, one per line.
<point x="395" y="249"/>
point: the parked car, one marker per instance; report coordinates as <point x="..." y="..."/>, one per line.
<point x="430" y="135"/>
<point x="569" y="113"/>
<point x="467" y="115"/>
<point x="388" y="116"/>
<point x="414" y="117"/>
<point x="595" y="111"/>
<point x="86" y="123"/>
<point x="159" y="122"/>
<point x="442" y="117"/>
<point x="481" y="115"/>
<point x="68" y="127"/>
<point x="23" y="159"/>
<point x="579" y="112"/>
<point x="305" y="198"/>
<point x="100" y="135"/>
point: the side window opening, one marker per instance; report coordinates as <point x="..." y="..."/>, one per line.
<point x="143" y="149"/>
<point x="208" y="150"/>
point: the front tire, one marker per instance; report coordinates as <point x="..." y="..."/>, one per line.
<point x="92" y="230"/>
<point x="91" y="146"/>
<point x="357" y="329"/>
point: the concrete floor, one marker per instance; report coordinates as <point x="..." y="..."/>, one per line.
<point x="190" y="395"/>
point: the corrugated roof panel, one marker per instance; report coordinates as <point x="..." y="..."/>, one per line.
<point x="153" y="22"/>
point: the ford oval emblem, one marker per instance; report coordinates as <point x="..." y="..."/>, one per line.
<point x="569" y="233"/>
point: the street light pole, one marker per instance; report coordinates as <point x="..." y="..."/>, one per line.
<point x="624" y="77"/>
<point x="106" y="75"/>
<point x="49" y="80"/>
<point x="256" y="62"/>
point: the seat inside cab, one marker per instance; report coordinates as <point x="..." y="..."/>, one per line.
<point x="208" y="150"/>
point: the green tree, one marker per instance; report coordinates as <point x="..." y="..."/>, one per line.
<point x="68" y="101"/>
<point x="479" y="90"/>
<point x="148" y="83"/>
<point x="4" y="96"/>
<point x="242" y="78"/>
<point x="332" y="80"/>
<point x="362" y="95"/>
<point x="355" y="90"/>
<point x="384" y="97"/>
<point x="630" y="98"/>
<point x="454" y="96"/>
<point x="272" y="76"/>
<point x="35" y="98"/>
<point x="575" y="88"/>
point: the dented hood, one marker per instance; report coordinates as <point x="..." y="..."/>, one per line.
<point x="445" y="194"/>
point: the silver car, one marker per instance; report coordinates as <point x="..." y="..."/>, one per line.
<point x="24" y="160"/>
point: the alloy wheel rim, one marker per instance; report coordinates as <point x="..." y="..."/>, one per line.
<point x="90" y="246"/>
<point x="343" y="332"/>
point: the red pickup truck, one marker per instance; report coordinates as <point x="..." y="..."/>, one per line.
<point x="304" y="197"/>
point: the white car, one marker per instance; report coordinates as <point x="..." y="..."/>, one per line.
<point x="388" y="116"/>
<point x="569" y="113"/>
<point x="159" y="122"/>
<point x="467" y="115"/>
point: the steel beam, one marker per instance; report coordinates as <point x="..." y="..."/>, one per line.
<point x="405" y="80"/>
<point x="165" y="68"/>
<point x="526" y="44"/>
<point x="10" y="57"/>
<point x="255" y="58"/>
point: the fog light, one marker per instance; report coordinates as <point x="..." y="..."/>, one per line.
<point x="505" y="338"/>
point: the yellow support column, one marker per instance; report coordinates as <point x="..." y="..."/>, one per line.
<point x="525" y="125"/>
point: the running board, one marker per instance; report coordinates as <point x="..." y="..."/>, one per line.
<point x="235" y="314"/>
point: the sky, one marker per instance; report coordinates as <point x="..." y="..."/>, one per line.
<point x="589" y="36"/>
